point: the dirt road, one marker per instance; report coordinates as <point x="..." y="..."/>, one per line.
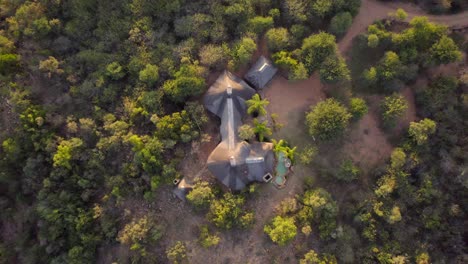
<point x="372" y="10"/>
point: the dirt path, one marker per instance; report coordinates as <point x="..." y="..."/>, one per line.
<point x="372" y="10"/>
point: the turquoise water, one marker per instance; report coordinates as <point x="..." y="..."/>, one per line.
<point x="281" y="170"/>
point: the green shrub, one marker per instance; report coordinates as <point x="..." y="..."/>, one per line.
<point x="327" y="120"/>
<point x="281" y="230"/>
<point x="357" y="108"/>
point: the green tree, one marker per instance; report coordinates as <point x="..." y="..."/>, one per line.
<point x="139" y="232"/>
<point x="115" y="71"/>
<point x="256" y="105"/>
<point x="423" y="258"/>
<point x="307" y="155"/>
<point x="420" y="131"/>
<point x="66" y="151"/>
<point x="421" y="35"/>
<point x="262" y="129"/>
<point x="322" y="8"/>
<point x="373" y="40"/>
<point x="201" y="194"/>
<point x="213" y="56"/>
<point x="295" y="10"/>
<point x="399" y="14"/>
<point x="281" y="230"/>
<point x="340" y="23"/>
<point x="177" y="254"/>
<point x="149" y="75"/>
<point x="187" y="83"/>
<point x="358" y="108"/>
<point x="327" y="120"/>
<point x="206" y="239"/>
<point x="348" y="171"/>
<point x="319" y="208"/>
<point x="246" y="132"/>
<point x="284" y="60"/>
<point x="243" y="51"/>
<point x="445" y="51"/>
<point x="438" y="94"/>
<point x="394" y="216"/>
<point x="386" y="185"/>
<point x="50" y="66"/>
<point x="277" y="39"/>
<point x="9" y="63"/>
<point x="397" y="159"/>
<point x="390" y="67"/>
<point x="6" y="45"/>
<point x="316" y="48"/>
<point x="392" y="108"/>
<point x="312" y="257"/>
<point x="226" y="212"/>
<point x="283" y="146"/>
<point x="261" y="24"/>
<point x="370" y="76"/>
<point x="298" y="72"/>
<point x="334" y="69"/>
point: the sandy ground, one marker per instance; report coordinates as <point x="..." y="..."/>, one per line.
<point x="287" y="99"/>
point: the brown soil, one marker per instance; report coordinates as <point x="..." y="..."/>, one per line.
<point x="290" y="100"/>
<point x="366" y="144"/>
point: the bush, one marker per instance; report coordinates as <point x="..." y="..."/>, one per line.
<point x="213" y="56"/>
<point x="358" y="108"/>
<point x="177" y="254"/>
<point x="316" y="48"/>
<point x="445" y="51"/>
<point x="246" y="132"/>
<point x="9" y="63"/>
<point x="421" y="130"/>
<point x="319" y="208"/>
<point x="281" y="230"/>
<point x="277" y="39"/>
<point x="149" y="75"/>
<point x="226" y="212"/>
<point x="242" y="52"/>
<point x="333" y="70"/>
<point x="307" y="155"/>
<point x="206" y="239"/>
<point x="201" y="195"/>
<point x="114" y="71"/>
<point x="393" y="107"/>
<point x="348" y="171"/>
<point x="327" y="120"/>
<point x="287" y="206"/>
<point x="260" y="24"/>
<point x="373" y="40"/>
<point x="139" y="232"/>
<point x="340" y="23"/>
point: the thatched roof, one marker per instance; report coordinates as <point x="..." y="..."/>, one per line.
<point x="261" y="73"/>
<point x="235" y="162"/>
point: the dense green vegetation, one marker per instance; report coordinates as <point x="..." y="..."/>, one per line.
<point x="100" y="104"/>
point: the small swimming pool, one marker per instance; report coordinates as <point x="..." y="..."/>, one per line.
<point x="281" y="170"/>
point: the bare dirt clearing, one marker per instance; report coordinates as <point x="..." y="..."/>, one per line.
<point x="287" y="99"/>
